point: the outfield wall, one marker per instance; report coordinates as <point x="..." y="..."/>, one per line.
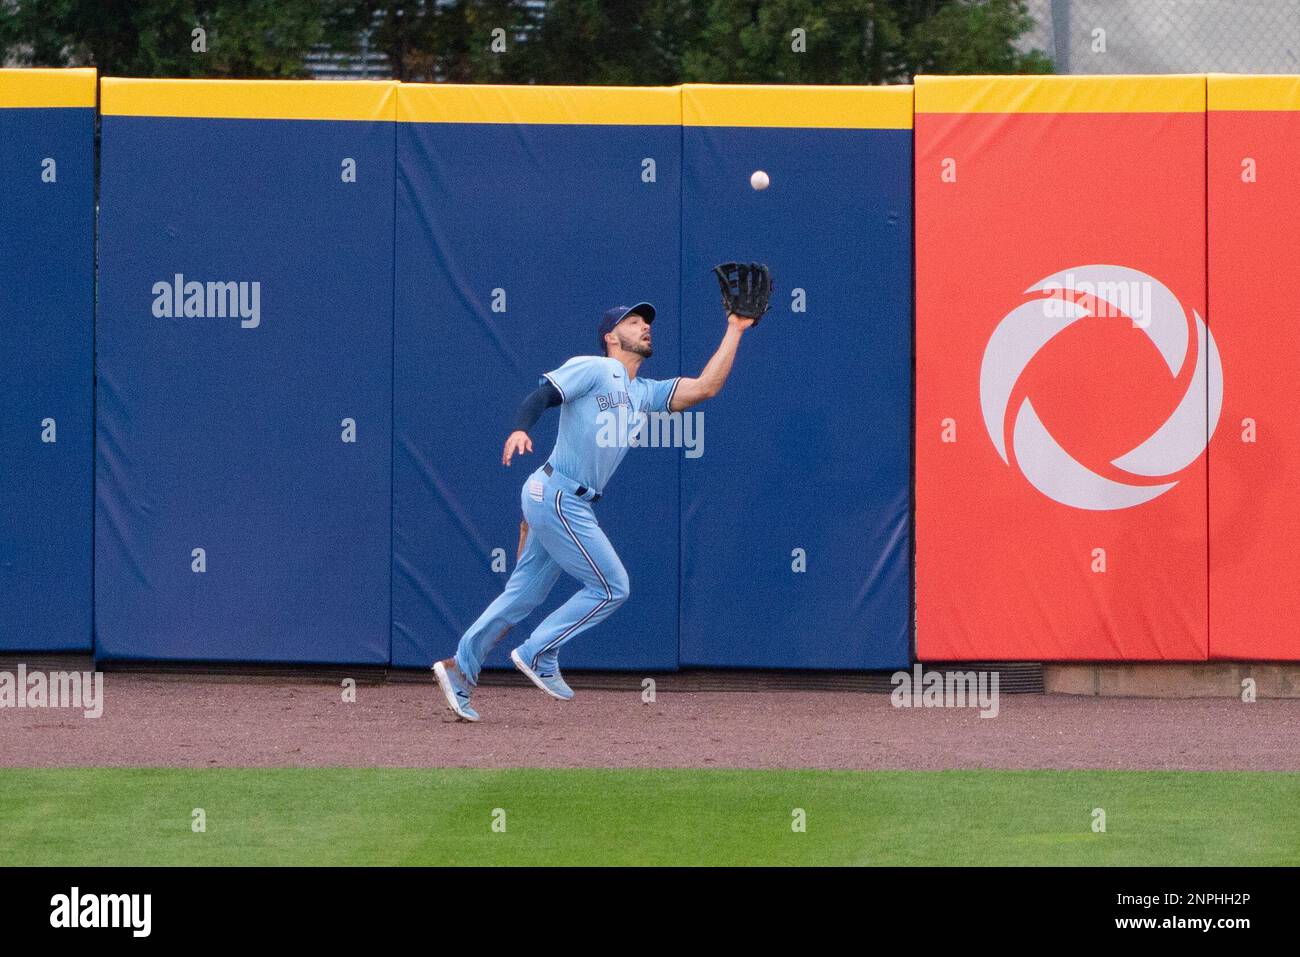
<point x="796" y="519"/>
<point x="244" y="340"/>
<point x="47" y="287"/>
<point x="1253" y="167"/>
<point x="1060" y="421"/>
<point x="1066" y="506"/>
<point x="309" y="472"/>
<point x="522" y="214"/>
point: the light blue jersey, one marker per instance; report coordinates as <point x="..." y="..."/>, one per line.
<point x="600" y="412"/>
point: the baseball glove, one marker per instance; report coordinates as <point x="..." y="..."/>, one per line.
<point x="746" y="288"/>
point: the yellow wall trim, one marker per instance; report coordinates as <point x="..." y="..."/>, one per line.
<point x="50" y="88"/>
<point x="836" y="107"/>
<point x="1230" y="92"/>
<point x="594" y="105"/>
<point x="250" y="99"/>
<point x="846" y="107"/>
<point x="1060" y="94"/>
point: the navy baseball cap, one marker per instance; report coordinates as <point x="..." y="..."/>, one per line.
<point x="613" y="317"/>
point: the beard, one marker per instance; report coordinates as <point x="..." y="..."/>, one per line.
<point x="637" y="347"/>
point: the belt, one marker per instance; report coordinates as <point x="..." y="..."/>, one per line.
<point x="578" y="490"/>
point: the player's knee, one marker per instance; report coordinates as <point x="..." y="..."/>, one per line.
<point x="619" y="587"/>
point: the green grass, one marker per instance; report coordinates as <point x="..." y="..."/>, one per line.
<point x="93" y="816"/>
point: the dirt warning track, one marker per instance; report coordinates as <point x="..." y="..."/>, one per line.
<point x="185" y="721"/>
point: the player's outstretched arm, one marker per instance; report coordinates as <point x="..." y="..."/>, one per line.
<point x="530" y="410"/>
<point x="710" y="381"/>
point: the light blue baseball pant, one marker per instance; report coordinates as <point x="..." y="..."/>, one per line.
<point x="563" y="535"/>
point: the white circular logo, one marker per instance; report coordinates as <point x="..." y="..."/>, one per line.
<point x="1075" y="294"/>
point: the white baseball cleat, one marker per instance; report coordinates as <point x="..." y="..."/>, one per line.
<point x="547" y="676"/>
<point x="455" y="690"/>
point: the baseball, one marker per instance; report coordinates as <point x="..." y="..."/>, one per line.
<point x="758" y="179"/>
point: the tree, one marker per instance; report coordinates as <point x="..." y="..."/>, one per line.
<point x="795" y="41"/>
<point x="439" y="40"/>
<point x="858" y="41"/>
<point x="972" y="38"/>
<point x="617" y="42"/>
<point x="253" y="38"/>
<point x="613" y="42"/>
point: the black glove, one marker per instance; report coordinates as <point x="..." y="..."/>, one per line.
<point x="746" y="288"/>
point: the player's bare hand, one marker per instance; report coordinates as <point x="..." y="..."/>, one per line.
<point x="739" y="321"/>
<point x="517" y="444"/>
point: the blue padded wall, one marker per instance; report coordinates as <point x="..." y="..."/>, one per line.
<point x="229" y="435"/>
<point x="559" y="217"/>
<point x="47" y="235"/>
<point x="808" y="449"/>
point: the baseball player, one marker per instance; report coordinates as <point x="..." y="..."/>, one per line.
<point x="560" y="531"/>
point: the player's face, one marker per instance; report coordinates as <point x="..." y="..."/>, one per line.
<point x="634" y="335"/>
